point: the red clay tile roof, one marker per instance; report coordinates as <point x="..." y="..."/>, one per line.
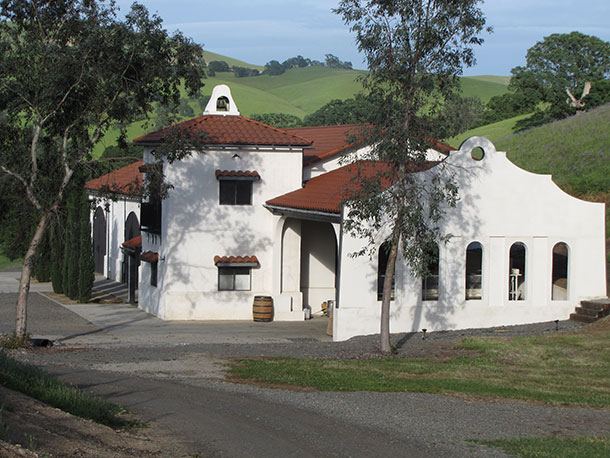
<point x="235" y="260"/>
<point x="328" y="191"/>
<point x="126" y="180"/>
<point x="133" y="243"/>
<point x="238" y="173"/>
<point x="229" y="130"/>
<point x="327" y="140"/>
<point x="331" y="140"/>
<point x="150" y="256"/>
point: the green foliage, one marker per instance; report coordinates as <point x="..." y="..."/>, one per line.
<point x="356" y="110"/>
<point x="562" y="62"/>
<point x="415" y="51"/>
<point x="280" y="120"/>
<point x="71" y="244"/>
<point x="273" y="68"/>
<point x="86" y="263"/>
<point x="42" y="261"/>
<point x="70" y="71"/>
<point x="219" y="66"/>
<point x="57" y="256"/>
<point x="332" y="61"/>
<point x="38" y="384"/>
<point x="244" y="72"/>
<point x="553" y="447"/>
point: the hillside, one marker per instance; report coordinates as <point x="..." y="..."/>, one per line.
<point x="299" y="91"/>
<point x="494" y="132"/>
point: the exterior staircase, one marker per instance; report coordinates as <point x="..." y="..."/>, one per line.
<point x="591" y="310"/>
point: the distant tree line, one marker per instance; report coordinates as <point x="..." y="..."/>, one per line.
<point x="274" y="67"/>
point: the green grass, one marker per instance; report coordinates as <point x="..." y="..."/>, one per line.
<point x="494" y="132"/>
<point x="554" y="447"/>
<point x="575" y="150"/>
<point x="484" y="87"/>
<point x="38" y="384"/>
<point x="567" y="369"/>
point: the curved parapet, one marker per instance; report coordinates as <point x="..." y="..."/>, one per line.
<point x="477" y="142"/>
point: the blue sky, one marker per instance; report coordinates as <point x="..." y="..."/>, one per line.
<point x="257" y="31"/>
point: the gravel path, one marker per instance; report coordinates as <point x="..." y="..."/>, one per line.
<point x="433" y="424"/>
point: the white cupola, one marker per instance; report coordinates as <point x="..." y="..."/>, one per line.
<point x="221" y="102"/>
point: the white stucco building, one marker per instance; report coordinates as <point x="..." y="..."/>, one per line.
<point x="260" y="213"/>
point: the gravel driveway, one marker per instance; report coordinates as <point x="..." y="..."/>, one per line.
<point x="186" y="377"/>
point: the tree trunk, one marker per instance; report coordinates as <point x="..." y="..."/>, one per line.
<point x="384" y="334"/>
<point x="26" y="274"/>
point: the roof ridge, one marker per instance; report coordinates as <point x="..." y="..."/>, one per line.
<point x="277" y="129"/>
<point x="327" y="126"/>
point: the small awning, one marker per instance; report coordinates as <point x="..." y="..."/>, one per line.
<point x="150" y="256"/>
<point x="133" y="243"/>
<point x="237" y="175"/>
<point x="236" y="261"/>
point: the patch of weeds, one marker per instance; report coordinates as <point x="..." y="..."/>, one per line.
<point x="40" y="385"/>
<point x="13" y="341"/>
<point x="31" y="442"/>
<point x="553" y="447"/>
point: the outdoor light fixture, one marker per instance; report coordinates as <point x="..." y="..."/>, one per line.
<point x="556" y="325"/>
<point x="424" y="331"/>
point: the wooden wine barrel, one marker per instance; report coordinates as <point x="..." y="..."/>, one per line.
<point x="262" y="308"/>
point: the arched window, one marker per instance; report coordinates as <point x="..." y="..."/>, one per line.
<point x="474" y="271"/>
<point x="382" y="263"/>
<point x="132" y="226"/>
<point x="516" y="272"/>
<point x="429" y="283"/>
<point x="560" y="272"/>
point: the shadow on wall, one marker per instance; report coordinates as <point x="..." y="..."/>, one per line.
<point x="200" y="228"/>
<point x="463" y="224"/>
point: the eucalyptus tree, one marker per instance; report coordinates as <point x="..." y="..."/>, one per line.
<point x="415" y="51"/>
<point x="70" y="71"/>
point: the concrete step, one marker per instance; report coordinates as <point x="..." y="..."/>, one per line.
<point x="596" y="304"/>
<point x="589" y="312"/>
<point x="582" y="318"/>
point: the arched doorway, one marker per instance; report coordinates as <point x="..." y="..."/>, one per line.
<point x="318" y="263"/>
<point x="99" y="239"/>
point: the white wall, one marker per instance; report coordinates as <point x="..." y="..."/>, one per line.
<point x="195" y="228"/>
<point x="500" y="204"/>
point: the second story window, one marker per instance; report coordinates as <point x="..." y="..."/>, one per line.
<point x="235" y="186"/>
<point x="235" y="192"/>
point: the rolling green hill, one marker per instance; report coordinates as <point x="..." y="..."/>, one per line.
<point x="299" y="91"/>
<point x="494" y="132"/>
<point x="212" y="56"/>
